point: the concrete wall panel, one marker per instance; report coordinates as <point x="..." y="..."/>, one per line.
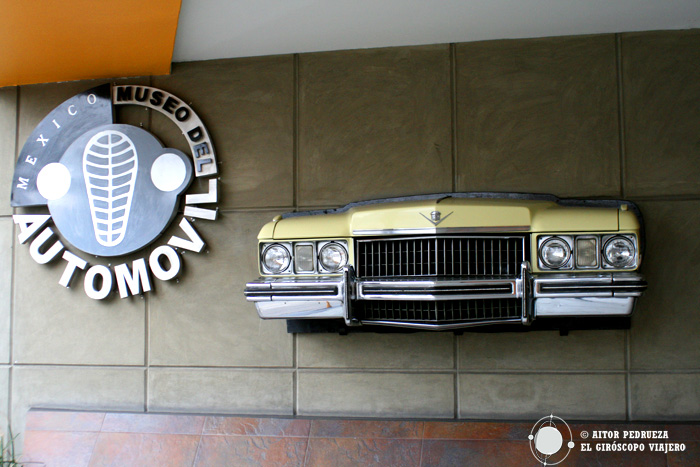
<point x="247" y="107"/>
<point x="373" y="123"/>
<point x="538" y="115"/>
<point x="662" y="112"/>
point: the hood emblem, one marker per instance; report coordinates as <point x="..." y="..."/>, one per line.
<point x="436" y="217"/>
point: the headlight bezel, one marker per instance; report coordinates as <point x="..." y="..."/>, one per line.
<point x="293" y="268"/>
<point x="607" y="239"/>
<point x="344" y="249"/>
<point x="566" y="241"/>
<point x="265" y="247"/>
<point x="601" y="240"/>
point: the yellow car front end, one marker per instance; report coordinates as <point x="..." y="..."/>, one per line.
<point x="450" y="261"/>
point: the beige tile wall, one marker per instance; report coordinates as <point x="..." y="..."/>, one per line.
<point x="601" y="116"/>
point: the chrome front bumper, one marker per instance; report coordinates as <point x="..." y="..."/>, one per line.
<point x="543" y="296"/>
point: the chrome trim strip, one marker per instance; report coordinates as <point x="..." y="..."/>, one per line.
<point x="584" y="306"/>
<point x="580" y="285"/>
<point x="307" y="309"/>
<point x="561" y="295"/>
<point x="438" y="289"/>
<point x="526" y="293"/>
<point x="442" y="230"/>
<point x="288" y="289"/>
<point x="438" y="327"/>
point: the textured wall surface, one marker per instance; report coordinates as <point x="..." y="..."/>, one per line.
<point x="598" y="116"/>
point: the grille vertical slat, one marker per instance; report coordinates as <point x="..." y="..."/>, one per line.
<point x="440" y="256"/>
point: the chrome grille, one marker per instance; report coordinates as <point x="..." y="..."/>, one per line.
<point x="439" y="312"/>
<point x="470" y="256"/>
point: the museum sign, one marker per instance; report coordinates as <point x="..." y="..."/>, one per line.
<point x="112" y="189"/>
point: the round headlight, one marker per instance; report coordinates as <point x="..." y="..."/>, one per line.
<point x="619" y="252"/>
<point x="333" y="257"/>
<point x="276" y="258"/>
<point x="555" y="252"/>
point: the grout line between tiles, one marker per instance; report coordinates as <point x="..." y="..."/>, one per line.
<point x="94" y="446"/>
<point x="147" y="304"/>
<point x="279" y="209"/>
<point x="17" y="102"/>
<point x="308" y="443"/>
<point x="628" y="377"/>
<point x="453" y="111"/>
<point x="13" y="258"/>
<point x="452" y="371"/>
<point x="199" y="444"/>
<point x="295" y="203"/>
<point x="295" y="376"/>
<point x="422" y="444"/>
<point x="147" y="349"/>
<point x="455" y="349"/>
<point x="621" y="115"/>
<point x="295" y="134"/>
<point x="409" y="371"/>
<point x="102" y="423"/>
<point x="150" y="113"/>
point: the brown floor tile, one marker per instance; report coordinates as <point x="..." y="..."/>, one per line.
<point x="682" y="432"/>
<point x="365" y="429"/>
<point x="282" y="427"/>
<point x="52" y="420"/>
<point x="477" y="453"/>
<point x="147" y="450"/>
<point x="477" y="431"/>
<point x="691" y="456"/>
<point x="340" y="452"/>
<point x="614" y="459"/>
<point x="58" y="449"/>
<point x="153" y="423"/>
<point x="256" y="451"/>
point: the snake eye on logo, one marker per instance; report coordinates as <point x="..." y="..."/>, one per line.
<point x="111" y="189"/>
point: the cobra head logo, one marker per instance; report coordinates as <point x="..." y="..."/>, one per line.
<point x="119" y="189"/>
<point x="110" y="167"/>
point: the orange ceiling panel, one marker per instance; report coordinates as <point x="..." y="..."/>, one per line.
<point x="45" y="41"/>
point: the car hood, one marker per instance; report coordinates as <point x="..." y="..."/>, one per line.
<point x="458" y="215"/>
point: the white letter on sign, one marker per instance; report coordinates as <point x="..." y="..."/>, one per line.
<point x="136" y="282"/>
<point x="51" y="253"/>
<point x="107" y="282"/>
<point x="29" y="224"/>
<point x="73" y="263"/>
<point x="195" y="242"/>
<point x="157" y="268"/>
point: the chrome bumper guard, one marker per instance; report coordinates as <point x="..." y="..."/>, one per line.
<point x="611" y="294"/>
